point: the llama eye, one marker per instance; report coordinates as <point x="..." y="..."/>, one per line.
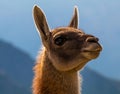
<point x="60" y="40"/>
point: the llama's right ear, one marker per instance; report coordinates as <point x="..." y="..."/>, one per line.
<point x="41" y="24"/>
<point x="75" y="20"/>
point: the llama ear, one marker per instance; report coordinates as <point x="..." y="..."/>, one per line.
<point x="41" y="23"/>
<point x="74" y="21"/>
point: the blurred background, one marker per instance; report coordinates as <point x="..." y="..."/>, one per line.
<point x="20" y="42"/>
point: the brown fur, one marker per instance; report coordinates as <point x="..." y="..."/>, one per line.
<point x="66" y="51"/>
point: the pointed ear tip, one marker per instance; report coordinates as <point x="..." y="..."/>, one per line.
<point x="35" y="7"/>
<point x="76" y="7"/>
<point x="37" y="10"/>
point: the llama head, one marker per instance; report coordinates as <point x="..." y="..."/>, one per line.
<point x="68" y="48"/>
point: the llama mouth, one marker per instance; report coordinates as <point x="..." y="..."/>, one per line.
<point x="97" y="50"/>
<point x="91" y="54"/>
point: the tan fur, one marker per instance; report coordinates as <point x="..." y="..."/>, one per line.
<point x="66" y="51"/>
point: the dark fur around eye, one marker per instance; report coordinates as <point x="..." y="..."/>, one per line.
<point x="60" y="40"/>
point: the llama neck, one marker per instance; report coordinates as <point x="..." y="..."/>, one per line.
<point x="52" y="81"/>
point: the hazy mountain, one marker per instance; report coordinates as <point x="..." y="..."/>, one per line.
<point x="18" y="67"/>
<point x="16" y="63"/>
<point x="7" y="86"/>
<point x="94" y="83"/>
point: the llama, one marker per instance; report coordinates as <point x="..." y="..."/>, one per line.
<point x="66" y="50"/>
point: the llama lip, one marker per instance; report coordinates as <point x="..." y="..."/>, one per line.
<point x="96" y="50"/>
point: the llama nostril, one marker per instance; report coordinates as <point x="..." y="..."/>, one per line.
<point x="92" y="39"/>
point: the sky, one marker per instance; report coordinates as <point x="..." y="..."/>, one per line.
<point x="98" y="17"/>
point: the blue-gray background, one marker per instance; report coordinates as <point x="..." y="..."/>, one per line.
<point x="98" y="17"/>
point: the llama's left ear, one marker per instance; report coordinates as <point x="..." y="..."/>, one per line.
<point x="41" y="24"/>
<point x="74" y="21"/>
